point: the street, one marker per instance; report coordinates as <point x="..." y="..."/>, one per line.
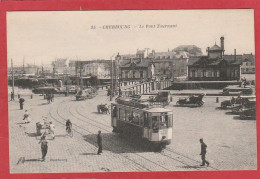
<point x="231" y="142"/>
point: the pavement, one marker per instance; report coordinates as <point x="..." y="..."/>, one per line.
<point x="231" y="141"/>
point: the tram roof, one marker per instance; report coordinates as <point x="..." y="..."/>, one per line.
<point x="158" y="110"/>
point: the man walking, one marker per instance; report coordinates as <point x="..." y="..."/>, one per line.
<point x="12" y="96"/>
<point x="21" y="101"/>
<point x="203" y="153"/>
<point x="44" y="147"/>
<point x="99" y="142"/>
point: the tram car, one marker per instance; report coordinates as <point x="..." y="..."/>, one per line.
<point x="130" y="117"/>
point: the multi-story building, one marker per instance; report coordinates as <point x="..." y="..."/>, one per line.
<point x="248" y="64"/>
<point x="60" y="66"/>
<point x="96" y="69"/>
<point x="137" y="69"/>
<point x="215" y="66"/>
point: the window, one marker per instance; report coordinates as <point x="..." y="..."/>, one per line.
<point x="141" y="74"/>
<point x="136" y="118"/>
<point x="128" y="116"/>
<point x="121" y="114"/>
<point x="204" y="73"/>
<point x="146" y="120"/>
<point x="133" y="74"/>
<point x="155" y="124"/>
<point x="141" y="121"/>
<point x="169" y="120"/>
<point x="193" y="73"/>
<point x="215" y="73"/>
<point x="163" y="121"/>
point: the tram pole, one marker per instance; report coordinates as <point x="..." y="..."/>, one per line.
<point x="112" y="76"/>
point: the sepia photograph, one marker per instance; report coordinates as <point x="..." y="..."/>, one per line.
<point x="131" y="90"/>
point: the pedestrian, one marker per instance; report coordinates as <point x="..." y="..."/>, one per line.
<point x="12" y="96"/>
<point x="31" y="96"/>
<point x="26" y="117"/>
<point x="44" y="147"/>
<point x="52" y="97"/>
<point x="203" y="153"/>
<point x="48" y="98"/>
<point x="99" y="142"/>
<point x="19" y="96"/>
<point x="52" y="127"/>
<point x="68" y="126"/>
<point x="21" y="101"/>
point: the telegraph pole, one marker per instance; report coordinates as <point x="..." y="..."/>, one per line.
<point x="23" y="66"/>
<point x="12" y="68"/>
<point x="80" y="75"/>
<point x="112" y="76"/>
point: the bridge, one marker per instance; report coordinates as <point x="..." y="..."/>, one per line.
<point x="142" y="88"/>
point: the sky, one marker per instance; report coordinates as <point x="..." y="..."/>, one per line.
<point x="42" y="36"/>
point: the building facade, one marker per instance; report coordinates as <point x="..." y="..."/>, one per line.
<point x="137" y="69"/>
<point x="248" y="65"/>
<point x="215" y="66"/>
<point x="96" y="69"/>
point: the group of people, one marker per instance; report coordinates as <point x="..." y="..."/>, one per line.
<point x="49" y="97"/>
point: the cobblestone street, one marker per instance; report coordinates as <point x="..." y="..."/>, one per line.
<point x="231" y="142"/>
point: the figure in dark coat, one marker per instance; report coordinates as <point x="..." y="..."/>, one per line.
<point x="12" y="96"/>
<point x="99" y="142"/>
<point x="21" y="101"/>
<point x="203" y="153"/>
<point x="44" y="147"/>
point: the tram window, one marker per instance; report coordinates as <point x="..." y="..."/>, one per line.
<point x="169" y="120"/>
<point x="155" y="124"/>
<point x="114" y="111"/>
<point x="122" y="114"/>
<point x="141" y="120"/>
<point x="146" y="120"/>
<point x="163" y="121"/>
<point x="127" y="115"/>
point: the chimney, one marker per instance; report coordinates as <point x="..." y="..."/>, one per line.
<point x="208" y="50"/>
<point x="222" y="44"/>
<point x="235" y="53"/>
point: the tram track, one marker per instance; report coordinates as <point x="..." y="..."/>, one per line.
<point x="143" y="168"/>
<point x="171" y="151"/>
<point x="114" y="144"/>
<point x="107" y="128"/>
<point x="163" y="154"/>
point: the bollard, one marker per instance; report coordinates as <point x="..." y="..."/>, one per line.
<point x="217" y="99"/>
<point x="31" y="96"/>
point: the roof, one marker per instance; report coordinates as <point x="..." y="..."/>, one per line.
<point x="192" y="60"/>
<point x="249" y="57"/>
<point x="158" y="110"/>
<point x="205" y="61"/>
<point x="137" y="62"/>
<point x="140" y="51"/>
<point x="215" y="47"/>
<point x="231" y="58"/>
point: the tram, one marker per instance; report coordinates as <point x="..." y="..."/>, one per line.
<point x="130" y="117"/>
